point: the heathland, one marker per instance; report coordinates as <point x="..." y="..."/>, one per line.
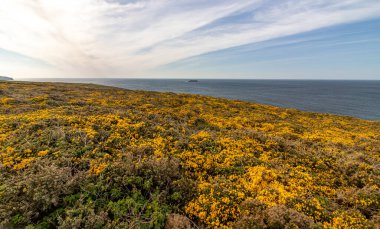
<point x="87" y="156"/>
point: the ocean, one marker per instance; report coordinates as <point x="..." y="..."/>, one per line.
<point x="342" y="97"/>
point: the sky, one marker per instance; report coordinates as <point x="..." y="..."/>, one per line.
<point x="253" y="39"/>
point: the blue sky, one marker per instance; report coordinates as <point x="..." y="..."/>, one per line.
<point x="349" y="51"/>
<point x="265" y="39"/>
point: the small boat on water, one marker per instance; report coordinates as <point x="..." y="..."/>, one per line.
<point x="192" y="81"/>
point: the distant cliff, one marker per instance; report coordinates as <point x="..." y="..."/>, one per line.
<point x="5" y="78"/>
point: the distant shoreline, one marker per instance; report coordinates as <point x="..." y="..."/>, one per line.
<point x="5" y="78"/>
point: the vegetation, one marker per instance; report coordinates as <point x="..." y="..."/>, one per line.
<point x="86" y="156"/>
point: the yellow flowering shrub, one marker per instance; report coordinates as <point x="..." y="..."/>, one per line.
<point x="346" y="220"/>
<point x="212" y="162"/>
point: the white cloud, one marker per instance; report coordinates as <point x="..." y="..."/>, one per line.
<point x="128" y="38"/>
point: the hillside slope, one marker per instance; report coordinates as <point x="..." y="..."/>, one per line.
<point x="5" y="78"/>
<point x="87" y="156"/>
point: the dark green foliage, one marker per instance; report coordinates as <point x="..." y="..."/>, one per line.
<point x="52" y="193"/>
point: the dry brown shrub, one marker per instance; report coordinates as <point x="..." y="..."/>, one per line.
<point x="257" y="215"/>
<point x="176" y="221"/>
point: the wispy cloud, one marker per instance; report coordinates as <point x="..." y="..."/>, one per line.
<point x="125" y="37"/>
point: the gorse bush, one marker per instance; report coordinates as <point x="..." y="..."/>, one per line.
<point x="86" y="156"/>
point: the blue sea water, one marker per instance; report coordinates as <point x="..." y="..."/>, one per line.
<point x="352" y="98"/>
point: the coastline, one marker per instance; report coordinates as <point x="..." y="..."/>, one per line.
<point x="270" y="101"/>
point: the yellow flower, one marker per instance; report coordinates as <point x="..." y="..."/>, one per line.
<point x="43" y="153"/>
